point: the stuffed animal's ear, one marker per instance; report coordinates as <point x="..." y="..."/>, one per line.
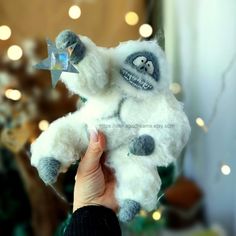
<point x="160" y="37"/>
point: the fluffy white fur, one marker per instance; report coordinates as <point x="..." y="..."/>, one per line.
<point x="156" y="113"/>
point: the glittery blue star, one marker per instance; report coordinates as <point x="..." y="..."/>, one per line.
<point x="58" y="61"/>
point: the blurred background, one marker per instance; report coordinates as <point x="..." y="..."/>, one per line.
<point x="198" y="193"/>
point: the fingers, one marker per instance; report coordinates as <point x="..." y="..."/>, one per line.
<point x="91" y="159"/>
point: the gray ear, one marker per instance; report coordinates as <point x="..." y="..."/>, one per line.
<point x="160" y="37"/>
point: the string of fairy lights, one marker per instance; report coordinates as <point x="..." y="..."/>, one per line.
<point x="224" y="168"/>
<point x="15" y="53"/>
<point x="131" y="18"/>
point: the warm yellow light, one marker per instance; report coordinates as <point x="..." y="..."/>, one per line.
<point x="175" y="88"/>
<point x="200" y="122"/>
<point x="143" y="213"/>
<point x="131" y="18"/>
<point x="145" y="30"/>
<point x="14" y="52"/>
<point x="43" y="125"/>
<point x="5" y="32"/>
<point x="74" y="12"/>
<point x="156" y="215"/>
<point x="13" y="94"/>
<point x="225" y="169"/>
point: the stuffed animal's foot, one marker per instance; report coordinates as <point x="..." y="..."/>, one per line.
<point x="129" y="208"/>
<point x="48" y="169"/>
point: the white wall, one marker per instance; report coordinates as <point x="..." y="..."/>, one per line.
<point x="201" y="42"/>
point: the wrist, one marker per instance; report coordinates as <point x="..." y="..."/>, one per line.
<point x="78" y="206"/>
<point x="113" y="207"/>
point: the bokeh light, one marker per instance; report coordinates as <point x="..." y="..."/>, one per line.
<point x="143" y="213"/>
<point x="43" y="125"/>
<point x="156" y="215"/>
<point x="200" y="122"/>
<point x="14" y="52"/>
<point x="131" y="18"/>
<point x="5" y="32"/>
<point x="145" y="30"/>
<point x="74" y="12"/>
<point x="225" y="169"/>
<point x="13" y="94"/>
<point x="175" y="88"/>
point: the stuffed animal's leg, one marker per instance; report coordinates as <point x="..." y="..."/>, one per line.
<point x="48" y="169"/>
<point x="137" y="185"/>
<point x="58" y="147"/>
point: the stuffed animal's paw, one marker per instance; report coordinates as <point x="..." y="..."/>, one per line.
<point x="143" y="145"/>
<point x="68" y="39"/>
<point x="129" y="208"/>
<point x="48" y="169"/>
<point x="65" y="39"/>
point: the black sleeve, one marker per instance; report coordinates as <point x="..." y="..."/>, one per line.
<point x="93" y="221"/>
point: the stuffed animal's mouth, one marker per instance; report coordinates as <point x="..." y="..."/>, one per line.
<point x="135" y="81"/>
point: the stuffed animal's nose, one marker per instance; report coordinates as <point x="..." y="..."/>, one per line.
<point x="142" y="68"/>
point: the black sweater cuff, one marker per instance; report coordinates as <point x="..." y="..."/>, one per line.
<point x="93" y="221"/>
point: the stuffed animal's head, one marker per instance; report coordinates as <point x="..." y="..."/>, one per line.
<point x="141" y="66"/>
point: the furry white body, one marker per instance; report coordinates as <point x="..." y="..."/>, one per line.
<point x="122" y="113"/>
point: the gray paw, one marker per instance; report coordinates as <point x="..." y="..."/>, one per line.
<point x="48" y="169"/>
<point x="143" y="145"/>
<point x="68" y="39"/>
<point x="65" y="39"/>
<point x="129" y="208"/>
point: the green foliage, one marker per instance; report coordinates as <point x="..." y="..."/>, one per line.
<point x="23" y="229"/>
<point x="14" y="203"/>
<point x="62" y="227"/>
<point x="167" y="175"/>
<point x="146" y="224"/>
<point x="84" y="100"/>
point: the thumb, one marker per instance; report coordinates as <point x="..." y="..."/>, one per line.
<point x="91" y="159"/>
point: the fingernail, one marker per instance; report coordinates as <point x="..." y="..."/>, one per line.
<point x="94" y="136"/>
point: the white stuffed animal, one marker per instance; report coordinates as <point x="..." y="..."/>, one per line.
<point x="129" y="100"/>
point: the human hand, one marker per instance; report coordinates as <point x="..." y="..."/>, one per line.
<point x="94" y="182"/>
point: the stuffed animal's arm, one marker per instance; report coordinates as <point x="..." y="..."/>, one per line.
<point x="59" y="146"/>
<point x="164" y="139"/>
<point x="170" y="137"/>
<point x="91" y="61"/>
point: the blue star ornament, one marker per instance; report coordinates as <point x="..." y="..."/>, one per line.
<point x="58" y="61"/>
